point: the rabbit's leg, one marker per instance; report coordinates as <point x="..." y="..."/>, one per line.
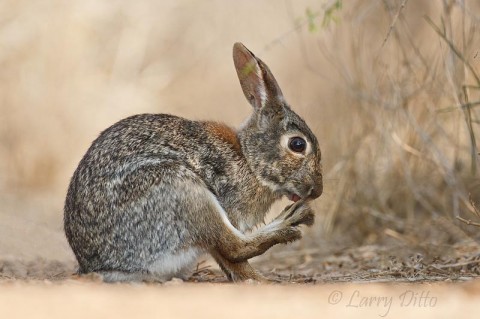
<point x="237" y="247"/>
<point x="238" y="271"/>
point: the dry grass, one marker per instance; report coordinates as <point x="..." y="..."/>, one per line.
<point x="392" y="90"/>
<point x="408" y="154"/>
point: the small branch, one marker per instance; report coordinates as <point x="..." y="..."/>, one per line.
<point x="475" y="208"/>
<point x="395" y="18"/>
<point x="468" y="118"/>
<point x="453" y="48"/>
<point x="468" y="105"/>
<point x="406" y="147"/>
<point x="461" y="264"/>
<point x="473" y="87"/>
<point x="468" y="222"/>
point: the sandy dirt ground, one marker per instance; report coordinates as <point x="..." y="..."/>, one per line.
<point x="361" y="282"/>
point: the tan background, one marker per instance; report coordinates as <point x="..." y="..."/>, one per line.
<point x="69" y="69"/>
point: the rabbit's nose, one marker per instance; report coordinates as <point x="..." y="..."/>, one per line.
<point x="317" y="190"/>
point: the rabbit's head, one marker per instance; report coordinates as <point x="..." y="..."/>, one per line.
<point x="279" y="146"/>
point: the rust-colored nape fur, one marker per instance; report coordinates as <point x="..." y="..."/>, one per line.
<point x="224" y="133"/>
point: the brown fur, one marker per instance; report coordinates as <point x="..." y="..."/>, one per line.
<point x="233" y="253"/>
<point x="224" y="133"/>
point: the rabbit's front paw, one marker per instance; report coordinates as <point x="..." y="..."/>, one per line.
<point x="300" y="214"/>
<point x="289" y="234"/>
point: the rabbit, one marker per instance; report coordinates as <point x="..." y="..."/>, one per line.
<point x="156" y="191"/>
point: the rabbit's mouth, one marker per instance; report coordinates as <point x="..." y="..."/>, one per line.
<point x="294" y="197"/>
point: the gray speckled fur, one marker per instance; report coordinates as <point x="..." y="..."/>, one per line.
<point x="143" y="189"/>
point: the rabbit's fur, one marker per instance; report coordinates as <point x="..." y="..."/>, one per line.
<point x="154" y="191"/>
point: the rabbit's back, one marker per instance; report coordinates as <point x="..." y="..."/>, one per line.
<point x="209" y="150"/>
<point x="147" y="140"/>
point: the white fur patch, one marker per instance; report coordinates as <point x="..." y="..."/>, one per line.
<point x="171" y="265"/>
<point x="224" y="216"/>
<point x="261" y="87"/>
<point x="263" y="95"/>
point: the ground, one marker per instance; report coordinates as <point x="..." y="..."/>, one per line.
<point x="288" y="264"/>
<point x="362" y="281"/>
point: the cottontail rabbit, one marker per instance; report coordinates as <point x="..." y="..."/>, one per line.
<point x="154" y="191"/>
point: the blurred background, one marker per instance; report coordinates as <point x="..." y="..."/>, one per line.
<point x="391" y="88"/>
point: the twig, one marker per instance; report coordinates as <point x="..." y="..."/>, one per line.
<point x="395" y="18"/>
<point x="475" y="208"/>
<point x="405" y="146"/>
<point x="201" y="266"/>
<point x="453" y="48"/>
<point x="466" y="263"/>
<point x="462" y="106"/>
<point x="468" y="118"/>
<point x="467" y="221"/>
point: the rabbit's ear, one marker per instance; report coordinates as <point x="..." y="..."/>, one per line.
<point x="258" y="83"/>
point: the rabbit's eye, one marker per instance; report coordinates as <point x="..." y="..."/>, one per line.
<point x="297" y="144"/>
